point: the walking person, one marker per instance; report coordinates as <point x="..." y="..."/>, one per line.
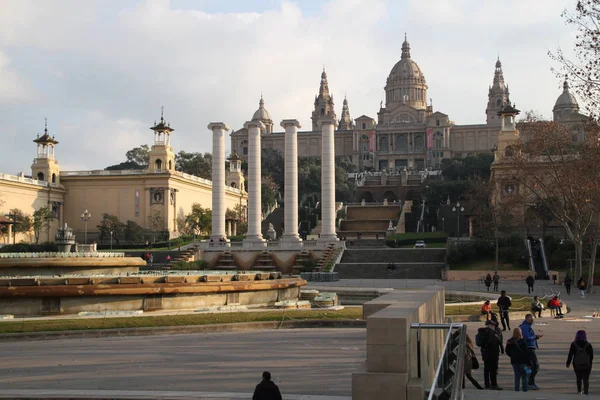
<point x="530" y="281"/>
<point x="516" y="349"/>
<point x="531" y="339"/>
<point x="266" y="389"/>
<point x="568" y="282"/>
<point x="491" y="347"/>
<point x="488" y="281"/>
<point x="471" y="363"/>
<point x="581" y="285"/>
<point x="581" y="354"/>
<point x="537" y="306"/>
<point x="504" y="303"/>
<point x="496" y="279"/>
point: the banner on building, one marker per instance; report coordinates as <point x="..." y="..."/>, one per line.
<point x="371" y="141"/>
<point x="429" y="138"/>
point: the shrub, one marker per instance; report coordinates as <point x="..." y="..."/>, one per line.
<point x="29" y="248"/>
<point x="404" y="239"/>
<point x="189" y="266"/>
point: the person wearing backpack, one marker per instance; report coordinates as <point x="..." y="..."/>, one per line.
<point x="491" y="347"/>
<point x="581" y="354"/>
<point x="516" y="349"/>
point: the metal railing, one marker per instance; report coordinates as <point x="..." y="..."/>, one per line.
<point x="449" y="374"/>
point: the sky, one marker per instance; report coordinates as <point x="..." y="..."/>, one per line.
<point x="100" y="70"/>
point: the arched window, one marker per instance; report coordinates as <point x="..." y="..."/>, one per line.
<point x="40" y="176"/>
<point x="170" y="165"/>
<point x="401" y="143"/>
<point x="364" y="125"/>
<point x="158" y="165"/>
<point x="509" y="152"/>
<point x="383" y="144"/>
<point x="233" y="184"/>
<point x="53" y="178"/>
<point x="419" y="143"/>
<point x="322" y="111"/>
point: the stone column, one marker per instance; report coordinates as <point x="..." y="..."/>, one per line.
<point x="228" y="227"/>
<point x="254" y="234"/>
<point x="234" y="228"/>
<point x="218" y="180"/>
<point x="328" y="180"/>
<point x="290" y="234"/>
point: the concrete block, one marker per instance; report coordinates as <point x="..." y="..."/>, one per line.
<point x="385" y="328"/>
<point x="415" y="389"/>
<point x="387" y="358"/>
<point x="379" y="386"/>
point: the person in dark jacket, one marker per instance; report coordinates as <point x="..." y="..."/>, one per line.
<point x="469" y="356"/>
<point x="568" y="282"/>
<point x="488" y="281"/>
<point x="581" y="354"/>
<point x="504" y="304"/>
<point x="266" y="389"/>
<point x="491" y="347"/>
<point x="516" y="349"/>
<point x="581" y="285"/>
<point x="530" y="281"/>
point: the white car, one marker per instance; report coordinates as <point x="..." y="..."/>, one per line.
<point x="420" y="244"/>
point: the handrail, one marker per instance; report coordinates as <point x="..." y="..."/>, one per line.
<point x="544" y="260"/>
<point x="455" y="393"/>
<point x="529" y="250"/>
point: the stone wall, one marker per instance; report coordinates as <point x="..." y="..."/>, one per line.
<point x="387" y="255"/>
<point x="390" y="371"/>
<point x="450" y="275"/>
<point x="379" y="271"/>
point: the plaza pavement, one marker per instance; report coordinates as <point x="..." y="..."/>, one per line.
<point x="305" y="363"/>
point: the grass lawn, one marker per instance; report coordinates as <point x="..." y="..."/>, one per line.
<point x="429" y="246"/>
<point x="17" y="326"/>
<point x="517" y="305"/>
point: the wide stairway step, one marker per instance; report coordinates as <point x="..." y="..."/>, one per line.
<point x="380" y="271"/>
<point x="387" y="255"/>
<point x="473" y="394"/>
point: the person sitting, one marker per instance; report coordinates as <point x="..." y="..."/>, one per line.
<point x="486" y="309"/>
<point x="556" y="305"/>
<point x="536" y="307"/>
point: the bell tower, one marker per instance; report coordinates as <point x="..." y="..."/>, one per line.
<point x="162" y="158"/>
<point x="235" y="176"/>
<point x="508" y="134"/>
<point x="498" y="96"/>
<point x="45" y="167"/>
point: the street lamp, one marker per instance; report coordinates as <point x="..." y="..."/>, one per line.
<point x="111" y="233"/>
<point x="443" y="225"/>
<point x="458" y="210"/>
<point x="85" y="217"/>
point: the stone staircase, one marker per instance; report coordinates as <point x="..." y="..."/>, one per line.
<point x="406" y="209"/>
<point x="184" y="255"/>
<point x="371" y="221"/>
<point x="372" y="263"/>
<point x="329" y="254"/>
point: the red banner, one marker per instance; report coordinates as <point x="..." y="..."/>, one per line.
<point x="371" y="141"/>
<point x="429" y="138"/>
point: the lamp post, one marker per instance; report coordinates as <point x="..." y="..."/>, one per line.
<point x="85" y="217"/>
<point x="443" y="225"/>
<point x="111" y="233"/>
<point x="458" y="210"/>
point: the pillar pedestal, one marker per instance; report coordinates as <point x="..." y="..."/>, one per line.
<point x="290" y="234"/>
<point x="328" y="233"/>
<point x="218" y="181"/>
<point x="254" y="234"/>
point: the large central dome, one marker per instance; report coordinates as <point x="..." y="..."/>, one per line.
<point x="406" y="83"/>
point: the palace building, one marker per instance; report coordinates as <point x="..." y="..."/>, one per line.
<point x="408" y="133"/>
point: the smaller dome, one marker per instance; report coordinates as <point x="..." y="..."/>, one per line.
<point x="262" y="114"/>
<point x="566" y="99"/>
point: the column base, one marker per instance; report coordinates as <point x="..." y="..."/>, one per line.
<point x="291" y="238"/>
<point x="328" y="238"/>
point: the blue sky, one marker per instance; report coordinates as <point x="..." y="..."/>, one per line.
<point x="100" y="70"/>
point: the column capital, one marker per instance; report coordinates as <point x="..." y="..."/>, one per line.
<point x="254" y="124"/>
<point x="327" y="121"/>
<point x="290" y="122"/>
<point x="218" y="125"/>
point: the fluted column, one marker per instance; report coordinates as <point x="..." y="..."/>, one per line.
<point x="218" y="180"/>
<point x="291" y="181"/>
<point x="328" y="179"/>
<point x="254" y="182"/>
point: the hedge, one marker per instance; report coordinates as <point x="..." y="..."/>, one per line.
<point x="404" y="239"/>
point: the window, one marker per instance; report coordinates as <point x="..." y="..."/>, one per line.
<point x="437" y="122"/>
<point x="158" y="165"/>
<point x="40" y="176"/>
<point x="383" y="144"/>
<point x="364" y="125"/>
<point x="170" y="165"/>
<point x="419" y="143"/>
<point x="322" y="111"/>
<point x="401" y="143"/>
<point x="53" y="178"/>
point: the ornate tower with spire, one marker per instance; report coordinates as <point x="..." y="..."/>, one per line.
<point x="498" y="96"/>
<point x="346" y="123"/>
<point x="263" y="115"/>
<point x="162" y="157"/>
<point x="324" y="106"/>
<point x="45" y="167"/>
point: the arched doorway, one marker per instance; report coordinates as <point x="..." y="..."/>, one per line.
<point x="390" y="196"/>
<point x="40" y="176"/>
<point x="367" y="197"/>
<point x="53" y="178"/>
